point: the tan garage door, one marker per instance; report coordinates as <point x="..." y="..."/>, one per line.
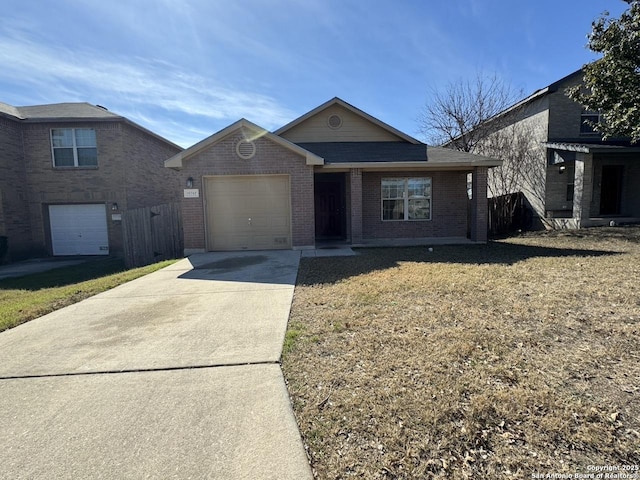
<point x="248" y="212"/>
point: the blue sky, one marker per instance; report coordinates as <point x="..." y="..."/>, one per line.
<point x="188" y="68"/>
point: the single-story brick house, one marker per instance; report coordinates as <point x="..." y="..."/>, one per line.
<point x="335" y="173"/>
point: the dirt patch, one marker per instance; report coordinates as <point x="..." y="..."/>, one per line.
<point x="496" y="361"/>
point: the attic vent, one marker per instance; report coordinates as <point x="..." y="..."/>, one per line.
<point x="245" y="149"/>
<point x="334" y="121"/>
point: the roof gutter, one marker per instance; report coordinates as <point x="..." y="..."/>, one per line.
<point x="385" y="166"/>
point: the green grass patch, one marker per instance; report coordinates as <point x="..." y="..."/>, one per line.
<point x="25" y="298"/>
<point x="290" y="337"/>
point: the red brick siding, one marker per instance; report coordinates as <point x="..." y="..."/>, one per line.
<point x="149" y="183"/>
<point x="130" y="173"/>
<point x="270" y="158"/>
<point x="14" y="218"/>
<point x="448" y="207"/>
<point x="355" y="204"/>
<point x="480" y="206"/>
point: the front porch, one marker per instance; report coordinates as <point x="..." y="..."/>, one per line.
<point x="593" y="185"/>
<point x="351" y="209"/>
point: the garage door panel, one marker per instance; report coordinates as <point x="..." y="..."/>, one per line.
<point x="280" y="222"/>
<point x="248" y="212"/>
<point x="79" y="229"/>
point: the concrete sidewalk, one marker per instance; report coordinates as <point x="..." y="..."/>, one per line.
<point x="172" y="375"/>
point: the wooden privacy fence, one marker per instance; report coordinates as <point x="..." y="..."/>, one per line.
<point x="152" y="234"/>
<point x="509" y="213"/>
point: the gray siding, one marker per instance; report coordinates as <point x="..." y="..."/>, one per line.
<point x="564" y="114"/>
<point x="529" y="128"/>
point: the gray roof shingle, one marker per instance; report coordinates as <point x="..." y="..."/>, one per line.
<point x="65" y="110"/>
<point x="389" y="152"/>
<point x="9" y="110"/>
<point x="356" y="152"/>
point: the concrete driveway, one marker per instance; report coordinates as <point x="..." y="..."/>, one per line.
<point x="172" y="375"/>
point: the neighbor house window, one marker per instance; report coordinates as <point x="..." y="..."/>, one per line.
<point x="74" y="147"/>
<point x="406" y="198"/>
<point x="587" y="119"/>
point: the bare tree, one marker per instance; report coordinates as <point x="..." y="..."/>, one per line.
<point x="459" y="115"/>
<point x="483" y="116"/>
<point x="523" y="171"/>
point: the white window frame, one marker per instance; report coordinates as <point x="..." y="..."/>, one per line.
<point x="74" y="148"/>
<point x="405" y="198"/>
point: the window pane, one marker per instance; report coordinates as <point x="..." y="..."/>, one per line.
<point x="419" y="187"/>
<point x="85" y="137"/>
<point x="586" y="128"/>
<point x="392" y="188"/>
<point x="87" y="157"/>
<point x="63" y="157"/>
<point x="419" y="208"/>
<point x="393" y="209"/>
<point x="62" y="137"/>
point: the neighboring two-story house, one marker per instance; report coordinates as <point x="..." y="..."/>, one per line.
<point x="580" y="180"/>
<point x="69" y="170"/>
<point x="335" y="173"/>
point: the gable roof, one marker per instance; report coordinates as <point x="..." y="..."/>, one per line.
<point x="177" y="160"/>
<point x="552" y="88"/>
<point x="352" y="109"/>
<point x="71" y="112"/>
<point x="59" y="111"/>
<point x="9" y="110"/>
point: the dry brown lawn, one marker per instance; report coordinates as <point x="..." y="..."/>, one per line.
<point x="510" y="360"/>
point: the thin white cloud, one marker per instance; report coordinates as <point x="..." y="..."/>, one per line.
<point x="136" y="83"/>
<point x="181" y="133"/>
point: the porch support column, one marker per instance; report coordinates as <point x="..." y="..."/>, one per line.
<point x="583" y="188"/>
<point x="479" y="205"/>
<point x="355" y="175"/>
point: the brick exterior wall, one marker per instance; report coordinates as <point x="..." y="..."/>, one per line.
<point x="14" y="223"/>
<point x="556" y="202"/>
<point x="356" y="200"/>
<point x="564" y="114"/>
<point x="148" y="182"/>
<point x="479" y="205"/>
<point x="270" y="158"/>
<point x="448" y="204"/>
<point x="130" y="173"/>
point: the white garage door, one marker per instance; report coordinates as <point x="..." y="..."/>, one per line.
<point x="248" y="212"/>
<point x="79" y="229"/>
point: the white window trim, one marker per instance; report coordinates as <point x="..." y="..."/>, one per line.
<point x="405" y="197"/>
<point x="74" y="147"/>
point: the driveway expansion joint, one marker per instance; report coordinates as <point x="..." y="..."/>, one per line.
<point x="139" y="370"/>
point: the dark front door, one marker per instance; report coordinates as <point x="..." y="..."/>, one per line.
<point x="330" y="206"/>
<point x="611" y="190"/>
